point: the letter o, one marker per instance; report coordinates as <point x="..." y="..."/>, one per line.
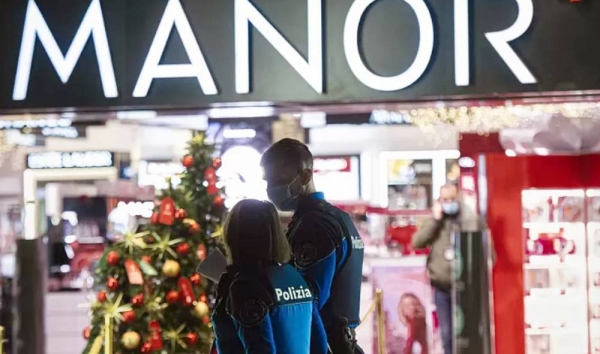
<point x="418" y="66"/>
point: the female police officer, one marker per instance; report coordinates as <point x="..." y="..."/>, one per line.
<point x="264" y="306"/>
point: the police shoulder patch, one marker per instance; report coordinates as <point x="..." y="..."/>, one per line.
<point x="252" y="312"/>
<point x="306" y="255"/>
<point x="249" y="302"/>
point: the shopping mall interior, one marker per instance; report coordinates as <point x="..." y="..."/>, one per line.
<point x="105" y="106"/>
<point x="85" y="179"/>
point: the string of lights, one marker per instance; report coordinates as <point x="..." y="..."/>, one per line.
<point x="486" y="119"/>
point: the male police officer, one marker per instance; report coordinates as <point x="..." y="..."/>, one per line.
<point x="326" y="247"/>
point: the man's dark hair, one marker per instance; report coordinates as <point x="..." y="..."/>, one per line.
<point x="252" y="234"/>
<point x="290" y="151"/>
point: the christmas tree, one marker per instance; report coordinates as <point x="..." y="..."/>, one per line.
<point x="151" y="298"/>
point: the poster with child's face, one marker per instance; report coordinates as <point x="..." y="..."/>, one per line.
<point x="409" y="318"/>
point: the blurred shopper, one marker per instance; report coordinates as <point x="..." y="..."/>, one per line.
<point x="264" y="306"/>
<point x="436" y="233"/>
<point x="326" y="247"/>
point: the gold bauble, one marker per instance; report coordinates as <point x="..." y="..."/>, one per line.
<point x="171" y="268"/>
<point x="131" y="340"/>
<point x="201" y="309"/>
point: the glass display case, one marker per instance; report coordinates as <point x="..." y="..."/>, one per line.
<point x="560" y="236"/>
<point x="593" y="228"/>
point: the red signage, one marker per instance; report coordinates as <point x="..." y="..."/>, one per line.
<point x="332" y="164"/>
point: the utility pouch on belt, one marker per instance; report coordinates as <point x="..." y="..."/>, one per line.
<point x="341" y="338"/>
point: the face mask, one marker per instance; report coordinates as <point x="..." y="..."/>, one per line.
<point x="451" y="208"/>
<point x="282" y="196"/>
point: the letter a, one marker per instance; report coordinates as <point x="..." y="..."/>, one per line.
<point x="174" y="16"/>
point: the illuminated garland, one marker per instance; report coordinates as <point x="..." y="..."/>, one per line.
<point x="485" y="119"/>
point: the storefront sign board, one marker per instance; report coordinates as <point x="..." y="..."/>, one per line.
<point x="193" y="53"/>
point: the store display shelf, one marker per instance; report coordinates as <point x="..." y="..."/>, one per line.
<point x="554" y="292"/>
<point x="554" y="193"/>
<point x="552" y="260"/>
<point x="554" y="331"/>
<point x="551" y="224"/>
<point x="554" y="265"/>
<point x="572" y="296"/>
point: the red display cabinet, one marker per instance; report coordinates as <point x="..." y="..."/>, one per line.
<point x="548" y="256"/>
<point x="559" y="266"/>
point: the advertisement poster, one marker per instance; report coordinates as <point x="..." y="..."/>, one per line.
<point x="409" y="314"/>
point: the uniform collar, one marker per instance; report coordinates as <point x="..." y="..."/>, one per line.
<point x="308" y="202"/>
<point x="318" y="196"/>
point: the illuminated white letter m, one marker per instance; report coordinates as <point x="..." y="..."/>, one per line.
<point x="92" y="25"/>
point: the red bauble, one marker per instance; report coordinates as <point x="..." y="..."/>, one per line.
<point x="172" y="297"/>
<point x="112" y="284"/>
<point x="86" y="332"/>
<point x="216" y="164"/>
<point x="147" y="259"/>
<point x="196" y="279"/>
<point x="187" y="161"/>
<point x="212" y="189"/>
<point x="194" y="228"/>
<point x="180" y="214"/>
<point x="191" y="339"/>
<point x="128" y="316"/>
<point x="149" y="239"/>
<point x="209" y="174"/>
<point x="218" y="201"/>
<point x="112" y="258"/>
<point x="183" y="249"/>
<point x="206" y="320"/>
<point x="146" y="348"/>
<point x="102" y="296"/>
<point x="137" y="300"/>
<point x="154" y="218"/>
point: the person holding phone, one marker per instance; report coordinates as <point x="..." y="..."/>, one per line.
<point x="436" y="234"/>
<point x="264" y="306"/>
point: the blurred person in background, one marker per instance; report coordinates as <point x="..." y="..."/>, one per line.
<point x="436" y="233"/>
<point x="326" y="247"/>
<point x="264" y="306"/>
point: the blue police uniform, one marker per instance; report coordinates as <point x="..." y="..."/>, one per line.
<point x="328" y="251"/>
<point x="265" y="309"/>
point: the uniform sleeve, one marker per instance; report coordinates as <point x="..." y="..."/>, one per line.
<point x="426" y="234"/>
<point x="315" y="243"/>
<point x="227" y="339"/>
<point x="318" y="335"/>
<point x="249" y="306"/>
